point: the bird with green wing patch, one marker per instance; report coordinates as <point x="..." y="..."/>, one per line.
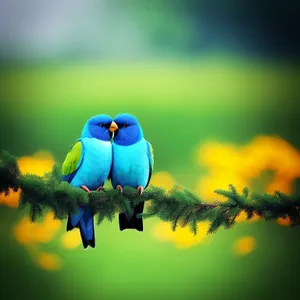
<point x="87" y="166"/>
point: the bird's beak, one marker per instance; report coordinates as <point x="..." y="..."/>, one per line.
<point x="113" y="126"/>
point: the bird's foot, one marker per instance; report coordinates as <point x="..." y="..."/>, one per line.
<point x="140" y="189"/>
<point x="86" y="189"/>
<point x="100" y="188"/>
<point x="118" y="187"/>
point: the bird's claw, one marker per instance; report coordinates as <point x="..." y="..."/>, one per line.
<point x="140" y="189"/>
<point x="86" y="189"/>
<point x="118" y="187"/>
<point x="100" y="188"/>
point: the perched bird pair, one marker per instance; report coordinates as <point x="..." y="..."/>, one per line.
<point x="108" y="149"/>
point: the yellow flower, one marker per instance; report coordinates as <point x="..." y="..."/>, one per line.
<point x="39" y="163"/>
<point x="71" y="239"/>
<point x="181" y="237"/>
<point x="48" y="261"/>
<point x="244" y="245"/>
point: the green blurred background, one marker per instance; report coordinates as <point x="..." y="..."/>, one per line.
<point x="191" y="72"/>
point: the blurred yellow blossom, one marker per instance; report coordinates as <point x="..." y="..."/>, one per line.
<point x="228" y="164"/>
<point x="27" y="232"/>
<point x="163" y="179"/>
<point x="181" y="237"/>
<point x="71" y="239"/>
<point x="39" y="163"/>
<point x="48" y="261"/>
<point x="244" y="246"/>
<point x="284" y="221"/>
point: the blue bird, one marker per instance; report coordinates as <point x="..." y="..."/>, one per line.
<point x="132" y="163"/>
<point x="87" y="166"/>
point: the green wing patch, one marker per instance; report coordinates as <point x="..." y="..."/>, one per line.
<point x="72" y="159"/>
<point x="152" y="156"/>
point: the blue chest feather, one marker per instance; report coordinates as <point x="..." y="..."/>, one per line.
<point x="96" y="164"/>
<point x="131" y="165"/>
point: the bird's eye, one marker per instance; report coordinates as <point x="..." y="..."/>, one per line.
<point x="101" y="125"/>
<point x="125" y="125"/>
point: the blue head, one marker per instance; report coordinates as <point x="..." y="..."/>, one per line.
<point x="98" y="127"/>
<point x="127" y="130"/>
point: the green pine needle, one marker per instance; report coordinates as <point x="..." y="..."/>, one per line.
<point x="177" y="206"/>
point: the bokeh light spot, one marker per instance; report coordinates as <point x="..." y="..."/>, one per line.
<point x="229" y="164"/>
<point x="71" y="239"/>
<point x="39" y="163"/>
<point x="163" y="179"/>
<point x="27" y="232"/>
<point x="48" y="261"/>
<point x="244" y="245"/>
<point x="284" y="221"/>
<point x="181" y="237"/>
<point x="12" y="200"/>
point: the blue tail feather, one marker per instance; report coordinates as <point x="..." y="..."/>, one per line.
<point x="84" y="220"/>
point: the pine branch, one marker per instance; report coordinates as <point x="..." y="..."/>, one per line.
<point x="177" y="206"/>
